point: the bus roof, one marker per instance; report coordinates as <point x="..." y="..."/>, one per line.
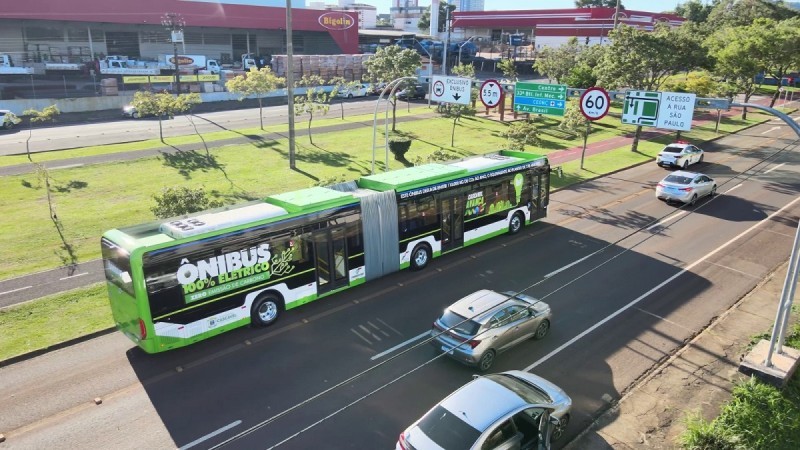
<point x="311" y="199"/>
<point x="427" y="174"/>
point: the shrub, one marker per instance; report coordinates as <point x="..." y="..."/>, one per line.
<point x="173" y="202"/>
<point x="399" y="146"/>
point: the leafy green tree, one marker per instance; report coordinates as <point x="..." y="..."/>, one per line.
<point x="341" y="85"/>
<point x="556" y="63"/>
<point x="582" y="76"/>
<point x="736" y="53"/>
<point x="780" y="42"/>
<point x="315" y="101"/>
<point x="699" y="82"/>
<point x="424" y="23"/>
<point x="574" y="121"/>
<point x="509" y="69"/>
<point x="177" y="201"/>
<point x="598" y="4"/>
<point x="163" y="105"/>
<point x="732" y="13"/>
<point x="389" y="64"/>
<point x="457" y="111"/>
<point x="642" y="60"/>
<point x="694" y="10"/>
<point x="257" y="82"/>
<point x="47" y="114"/>
<point x="523" y="133"/>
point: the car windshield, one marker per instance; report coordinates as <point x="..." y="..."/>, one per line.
<point x="447" y="430"/>
<point x="527" y="392"/>
<point x="677" y="179"/>
<point x="459" y="324"/>
<point x="673" y="149"/>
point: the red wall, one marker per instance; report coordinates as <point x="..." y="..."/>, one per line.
<point x="196" y="14"/>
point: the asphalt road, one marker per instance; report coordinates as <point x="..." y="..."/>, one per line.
<point x="44" y="139"/>
<point x="630" y="279"/>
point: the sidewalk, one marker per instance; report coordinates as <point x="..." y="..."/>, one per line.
<point x="699" y="378"/>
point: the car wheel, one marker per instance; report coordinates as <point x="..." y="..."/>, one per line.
<point x="135" y="115"/>
<point x="486" y="361"/>
<point x="515" y="224"/>
<point x="693" y="200"/>
<point x="701" y="159"/>
<point x="542" y="329"/>
<point x="713" y="191"/>
<point x="349" y="95"/>
<point x="558" y="431"/>
<point x="265" y="310"/>
<point x="420" y="256"/>
<point x="685" y="164"/>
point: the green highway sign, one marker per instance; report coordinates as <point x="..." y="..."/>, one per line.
<point x="540" y="98"/>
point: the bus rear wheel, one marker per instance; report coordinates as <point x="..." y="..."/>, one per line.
<point x="265" y="310"/>
<point x="420" y="257"/>
<point x="515" y="224"/>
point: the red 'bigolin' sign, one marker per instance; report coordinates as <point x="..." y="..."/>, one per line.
<point x="336" y="21"/>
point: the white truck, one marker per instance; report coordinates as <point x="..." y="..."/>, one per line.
<point x="190" y="62"/>
<point x="122" y="65"/>
<point x="7" y="67"/>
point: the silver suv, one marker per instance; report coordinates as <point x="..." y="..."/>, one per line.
<point x="485" y="323"/>
<point x="509" y="410"/>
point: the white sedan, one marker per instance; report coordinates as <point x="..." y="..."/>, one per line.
<point x="359" y="90"/>
<point x="679" y="155"/>
<point x="685" y="187"/>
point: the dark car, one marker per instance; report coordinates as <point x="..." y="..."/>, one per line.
<point x="417" y="91"/>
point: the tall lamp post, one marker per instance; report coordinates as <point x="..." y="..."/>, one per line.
<point x="174" y="23"/>
<point x="616" y="14"/>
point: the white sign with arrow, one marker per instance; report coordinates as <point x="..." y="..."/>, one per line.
<point x="451" y="90"/>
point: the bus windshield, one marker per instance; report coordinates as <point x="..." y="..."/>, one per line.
<point x="117" y="265"/>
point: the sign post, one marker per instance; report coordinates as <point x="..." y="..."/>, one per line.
<point x="668" y="110"/>
<point x="595" y="103"/>
<point x="451" y="89"/>
<point x="539" y="98"/>
<point x="491" y="93"/>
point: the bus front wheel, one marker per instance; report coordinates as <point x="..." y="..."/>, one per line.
<point x="265" y="310"/>
<point x="420" y="257"/>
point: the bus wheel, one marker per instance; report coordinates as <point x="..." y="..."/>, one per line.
<point x="516" y="223"/>
<point x="420" y="256"/>
<point x="265" y="310"/>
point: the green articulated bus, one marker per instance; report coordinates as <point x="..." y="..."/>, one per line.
<point x="178" y="281"/>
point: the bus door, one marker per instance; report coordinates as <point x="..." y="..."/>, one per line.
<point x="540" y="194"/>
<point x="330" y="260"/>
<point x="451" y="211"/>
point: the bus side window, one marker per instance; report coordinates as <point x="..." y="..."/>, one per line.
<point x="426" y="213"/>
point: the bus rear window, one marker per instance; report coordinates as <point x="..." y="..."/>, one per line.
<point x="117" y="265"/>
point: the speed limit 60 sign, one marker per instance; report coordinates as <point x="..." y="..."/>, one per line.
<point x="595" y="103"/>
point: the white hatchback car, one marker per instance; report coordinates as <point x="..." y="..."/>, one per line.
<point x="685" y="187"/>
<point x="679" y="155"/>
<point x="509" y="410"/>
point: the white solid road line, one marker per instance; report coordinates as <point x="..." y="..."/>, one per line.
<point x="776" y="167"/>
<point x="655" y="288"/>
<point x="400" y="345"/>
<point x="73" y="276"/>
<point x="674" y="216"/>
<point x="737" y="186"/>
<point x="210" y="435"/>
<point x="15" y="290"/>
<point x="771" y="130"/>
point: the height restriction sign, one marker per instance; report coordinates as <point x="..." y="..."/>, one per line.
<point x="595" y="103"/>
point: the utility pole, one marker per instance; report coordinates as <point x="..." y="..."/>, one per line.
<point x="174" y="23"/>
<point x="616" y="15"/>
<point x="290" y="81"/>
<point x="447" y="39"/>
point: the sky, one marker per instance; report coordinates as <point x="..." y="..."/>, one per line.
<point x="636" y="5"/>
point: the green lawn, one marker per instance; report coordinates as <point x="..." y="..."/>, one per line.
<point x="91" y="199"/>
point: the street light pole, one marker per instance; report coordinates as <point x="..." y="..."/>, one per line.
<point x="290" y="82"/>
<point x="174" y="23"/>
<point x="461" y="47"/>
<point x="616" y="15"/>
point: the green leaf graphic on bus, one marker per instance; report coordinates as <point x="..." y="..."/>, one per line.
<point x="518" y="180"/>
<point x="219" y="274"/>
<point x="280" y="263"/>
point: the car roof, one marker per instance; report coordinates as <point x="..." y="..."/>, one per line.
<point x="484" y="303"/>
<point x="481" y="402"/>
<point x="678" y="144"/>
<point x="685" y="173"/>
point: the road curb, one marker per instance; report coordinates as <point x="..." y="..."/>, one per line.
<point x="58" y="346"/>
